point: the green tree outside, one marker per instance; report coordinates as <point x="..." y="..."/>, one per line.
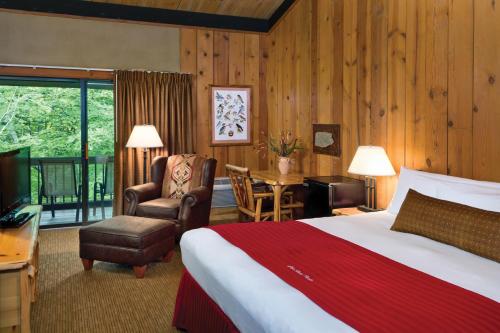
<point x="47" y="119"/>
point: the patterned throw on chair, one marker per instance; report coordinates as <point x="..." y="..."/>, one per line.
<point x="183" y="174"/>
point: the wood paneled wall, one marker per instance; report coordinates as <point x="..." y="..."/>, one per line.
<point x="234" y="58"/>
<point x="419" y="77"/>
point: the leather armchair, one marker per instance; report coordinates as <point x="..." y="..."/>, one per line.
<point x="190" y="211"/>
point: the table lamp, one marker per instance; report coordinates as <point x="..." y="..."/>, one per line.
<point x="145" y="137"/>
<point x="371" y="162"/>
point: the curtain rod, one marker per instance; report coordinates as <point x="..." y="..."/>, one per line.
<point x="58" y="67"/>
<point x="87" y="69"/>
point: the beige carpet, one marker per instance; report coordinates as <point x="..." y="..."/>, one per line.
<point x="107" y="299"/>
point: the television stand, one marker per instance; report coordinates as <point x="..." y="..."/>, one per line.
<point x="18" y="272"/>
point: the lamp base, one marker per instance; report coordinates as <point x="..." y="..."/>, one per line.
<point x="367" y="209"/>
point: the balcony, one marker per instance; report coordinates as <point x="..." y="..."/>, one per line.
<point x="63" y="209"/>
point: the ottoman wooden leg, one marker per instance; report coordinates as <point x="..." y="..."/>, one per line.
<point x="167" y="257"/>
<point x="140" y="271"/>
<point x="87" y="264"/>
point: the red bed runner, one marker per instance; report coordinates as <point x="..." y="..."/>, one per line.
<point x="365" y="290"/>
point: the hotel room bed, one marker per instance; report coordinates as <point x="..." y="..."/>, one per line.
<point x="257" y="300"/>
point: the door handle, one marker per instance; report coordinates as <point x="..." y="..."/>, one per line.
<point x="86" y="151"/>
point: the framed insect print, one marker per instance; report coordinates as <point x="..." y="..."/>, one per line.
<point x="231" y="115"/>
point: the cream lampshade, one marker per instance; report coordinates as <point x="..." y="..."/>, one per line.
<point x="145" y="137"/>
<point x="371" y="161"/>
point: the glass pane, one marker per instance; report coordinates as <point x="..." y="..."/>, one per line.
<point x="101" y="148"/>
<point x="45" y="115"/>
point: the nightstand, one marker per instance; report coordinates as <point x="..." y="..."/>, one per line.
<point x="346" y="211"/>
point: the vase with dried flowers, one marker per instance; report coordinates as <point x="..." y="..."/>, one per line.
<point x="284" y="147"/>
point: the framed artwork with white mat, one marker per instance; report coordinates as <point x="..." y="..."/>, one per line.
<point x="231" y="115"/>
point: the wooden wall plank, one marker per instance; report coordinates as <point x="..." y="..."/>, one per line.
<point x="410" y="80"/>
<point x="419" y="120"/>
<point x="460" y="87"/>
<point x="271" y="87"/>
<point x="251" y="70"/>
<point x="378" y="123"/>
<point x="264" y="97"/>
<point x="396" y="93"/>
<point x="436" y="72"/>
<point x="204" y="79"/>
<point x="350" y="97"/>
<point x="301" y="124"/>
<point x="326" y="164"/>
<point x="236" y="77"/>
<point x="188" y="64"/>
<point x="486" y="153"/>
<point x="337" y="73"/>
<point x="364" y="49"/>
<point x="221" y="77"/>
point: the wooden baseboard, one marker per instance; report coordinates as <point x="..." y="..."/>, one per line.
<point x="224" y="214"/>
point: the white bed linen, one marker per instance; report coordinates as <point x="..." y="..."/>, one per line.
<point x="256" y="300"/>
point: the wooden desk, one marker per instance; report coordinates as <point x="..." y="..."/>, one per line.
<point x="279" y="183"/>
<point x="18" y="270"/>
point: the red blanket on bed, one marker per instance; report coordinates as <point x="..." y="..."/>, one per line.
<point x="365" y="290"/>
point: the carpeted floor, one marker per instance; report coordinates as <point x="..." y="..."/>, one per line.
<point x="107" y="299"/>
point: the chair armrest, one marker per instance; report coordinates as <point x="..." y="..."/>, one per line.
<point x="140" y="193"/>
<point x="196" y="196"/>
<point x="195" y="208"/>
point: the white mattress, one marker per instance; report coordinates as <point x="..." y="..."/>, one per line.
<point x="256" y="300"/>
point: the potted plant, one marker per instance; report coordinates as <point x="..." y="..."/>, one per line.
<point x="284" y="147"/>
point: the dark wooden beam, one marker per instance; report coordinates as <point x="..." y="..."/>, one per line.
<point x="282" y="9"/>
<point x="139" y="14"/>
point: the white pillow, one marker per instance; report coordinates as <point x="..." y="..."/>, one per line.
<point x="484" y="198"/>
<point x="410" y="179"/>
<point x="474" y="193"/>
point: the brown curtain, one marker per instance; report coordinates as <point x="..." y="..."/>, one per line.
<point x="160" y="99"/>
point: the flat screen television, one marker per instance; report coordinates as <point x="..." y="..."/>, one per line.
<point x="15" y="180"/>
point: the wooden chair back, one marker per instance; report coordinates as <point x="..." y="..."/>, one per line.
<point x="242" y="186"/>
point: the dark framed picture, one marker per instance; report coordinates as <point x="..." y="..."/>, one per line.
<point x="326" y="139"/>
<point x="231" y="115"/>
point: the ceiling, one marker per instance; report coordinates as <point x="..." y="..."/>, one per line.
<point x="261" y="9"/>
<point x="245" y="15"/>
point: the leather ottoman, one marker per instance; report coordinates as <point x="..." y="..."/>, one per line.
<point x="130" y="240"/>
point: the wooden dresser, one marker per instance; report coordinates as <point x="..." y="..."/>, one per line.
<point x="18" y="273"/>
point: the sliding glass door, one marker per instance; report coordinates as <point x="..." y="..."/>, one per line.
<point x="100" y="139"/>
<point x="69" y="126"/>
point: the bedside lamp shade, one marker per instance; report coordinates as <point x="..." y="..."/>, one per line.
<point x="144" y="136"/>
<point x="371" y="161"/>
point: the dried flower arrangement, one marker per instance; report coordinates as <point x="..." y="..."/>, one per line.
<point x="283" y="147"/>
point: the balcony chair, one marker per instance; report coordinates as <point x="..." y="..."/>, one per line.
<point x="180" y="191"/>
<point x="106" y="187"/>
<point x="59" y="180"/>
<point x="255" y="200"/>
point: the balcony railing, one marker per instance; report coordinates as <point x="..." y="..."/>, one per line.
<point x="97" y="178"/>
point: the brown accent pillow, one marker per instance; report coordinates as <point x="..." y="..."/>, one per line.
<point x="468" y="228"/>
